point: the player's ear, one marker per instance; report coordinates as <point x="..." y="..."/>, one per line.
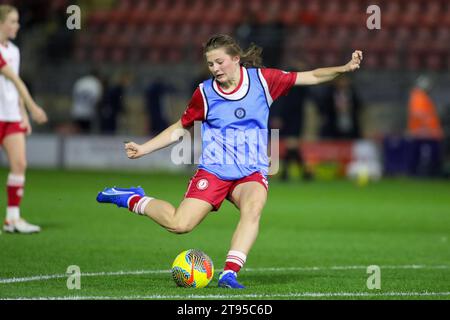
<point x="236" y="59"/>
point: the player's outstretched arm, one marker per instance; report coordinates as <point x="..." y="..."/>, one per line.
<point x="170" y="135"/>
<point x="37" y="113"/>
<point x="321" y="75"/>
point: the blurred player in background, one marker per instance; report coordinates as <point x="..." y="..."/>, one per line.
<point x="236" y="98"/>
<point x="14" y="122"/>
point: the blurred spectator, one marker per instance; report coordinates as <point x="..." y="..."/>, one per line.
<point x="268" y="34"/>
<point x="87" y="92"/>
<point x="156" y="102"/>
<point x="425" y="128"/>
<point x="287" y="114"/>
<point x="446" y="147"/>
<point x="423" y="120"/>
<point x="60" y="38"/>
<point x="246" y="31"/>
<point x="340" y="109"/>
<point x="113" y="104"/>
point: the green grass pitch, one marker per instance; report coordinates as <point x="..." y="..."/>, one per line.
<point x="316" y="241"/>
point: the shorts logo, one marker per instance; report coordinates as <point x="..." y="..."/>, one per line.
<point x="239" y="113"/>
<point x="202" y="184"/>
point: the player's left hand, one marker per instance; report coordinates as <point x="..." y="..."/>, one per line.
<point x="25" y="124"/>
<point x="354" y="64"/>
<point x="39" y="115"/>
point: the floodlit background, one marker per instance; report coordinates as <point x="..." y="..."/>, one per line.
<point x="363" y="174"/>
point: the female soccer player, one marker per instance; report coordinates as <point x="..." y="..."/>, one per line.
<point x="14" y="122"/>
<point x="233" y="107"/>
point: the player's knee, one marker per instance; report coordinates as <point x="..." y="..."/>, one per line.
<point x="252" y="210"/>
<point x="182" y="228"/>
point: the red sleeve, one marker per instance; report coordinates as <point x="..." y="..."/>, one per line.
<point x="195" y="110"/>
<point x="2" y="61"/>
<point x="279" y="82"/>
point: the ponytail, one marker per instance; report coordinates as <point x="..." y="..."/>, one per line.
<point x="252" y="57"/>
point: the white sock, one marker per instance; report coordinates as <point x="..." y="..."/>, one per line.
<point x="15" y="180"/>
<point x="139" y="207"/>
<point x="236" y="257"/>
<point x="12" y="213"/>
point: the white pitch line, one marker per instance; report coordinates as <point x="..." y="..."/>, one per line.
<point x="140" y="272"/>
<point x="86" y="274"/>
<point x="238" y="296"/>
<point x="411" y="266"/>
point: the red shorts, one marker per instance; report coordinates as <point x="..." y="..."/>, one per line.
<point x="7" y="128"/>
<point x="210" y="188"/>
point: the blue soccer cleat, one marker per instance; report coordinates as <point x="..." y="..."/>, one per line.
<point x="119" y="196"/>
<point x="229" y="280"/>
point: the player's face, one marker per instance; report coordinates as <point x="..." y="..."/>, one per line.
<point x="11" y="25"/>
<point x="221" y="65"/>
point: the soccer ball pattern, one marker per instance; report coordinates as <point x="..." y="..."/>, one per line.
<point x="192" y="268"/>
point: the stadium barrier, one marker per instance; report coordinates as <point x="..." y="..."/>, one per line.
<point x="328" y="159"/>
<point x="90" y="152"/>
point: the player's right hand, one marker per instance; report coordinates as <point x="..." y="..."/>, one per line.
<point x="133" y="150"/>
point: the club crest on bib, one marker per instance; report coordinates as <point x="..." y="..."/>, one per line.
<point x="202" y="184"/>
<point x="239" y="113"/>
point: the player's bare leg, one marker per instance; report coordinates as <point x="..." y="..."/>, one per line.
<point x="250" y="198"/>
<point x="14" y="146"/>
<point x="178" y="220"/>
